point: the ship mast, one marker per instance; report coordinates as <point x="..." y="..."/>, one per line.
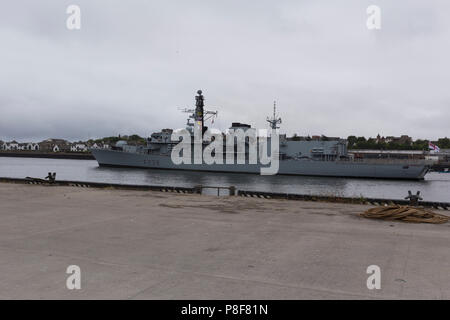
<point x="199" y="110"/>
<point x="274" y="121"/>
<point x="199" y="114"/>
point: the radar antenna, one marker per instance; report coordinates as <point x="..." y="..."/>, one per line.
<point x="275" y="120"/>
<point x="199" y="114"/>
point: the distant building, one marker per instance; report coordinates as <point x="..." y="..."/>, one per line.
<point x="404" y="139"/>
<point x="33" y="146"/>
<point x="12" y="146"/>
<point x="54" y="145"/>
<point x="78" y="147"/>
<point x="380" y="139"/>
<point x="444" y="155"/>
<point x="29" y="146"/>
<point x="99" y="145"/>
<point x="16" y="146"/>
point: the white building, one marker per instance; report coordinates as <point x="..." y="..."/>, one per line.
<point x="97" y="145"/>
<point x="11" y="146"/>
<point x="78" y="147"/>
<point x="32" y="146"/>
<point x="29" y="146"/>
<point x="100" y="145"/>
<point x="16" y="146"/>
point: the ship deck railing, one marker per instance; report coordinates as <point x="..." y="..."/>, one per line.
<point x="389" y="161"/>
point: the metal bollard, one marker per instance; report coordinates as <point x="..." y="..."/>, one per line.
<point x="198" y="189"/>
<point x="51" y="177"/>
<point x="413" y="198"/>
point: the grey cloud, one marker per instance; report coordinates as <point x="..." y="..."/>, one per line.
<point x="133" y="63"/>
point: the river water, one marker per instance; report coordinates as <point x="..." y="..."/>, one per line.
<point x="435" y="187"/>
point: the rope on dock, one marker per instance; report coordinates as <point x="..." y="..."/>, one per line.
<point x="405" y="213"/>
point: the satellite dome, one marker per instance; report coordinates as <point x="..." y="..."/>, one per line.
<point x="121" y="143"/>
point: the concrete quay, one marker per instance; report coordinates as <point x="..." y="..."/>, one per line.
<point x="153" y="245"/>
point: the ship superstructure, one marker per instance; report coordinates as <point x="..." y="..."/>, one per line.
<point x="297" y="155"/>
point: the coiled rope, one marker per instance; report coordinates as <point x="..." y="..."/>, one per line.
<point x="405" y="213"/>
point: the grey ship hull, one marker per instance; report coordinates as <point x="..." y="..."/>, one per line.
<point x="367" y="169"/>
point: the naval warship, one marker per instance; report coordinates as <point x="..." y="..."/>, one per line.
<point x="297" y="156"/>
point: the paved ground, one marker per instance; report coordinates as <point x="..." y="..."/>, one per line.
<point x="151" y="245"/>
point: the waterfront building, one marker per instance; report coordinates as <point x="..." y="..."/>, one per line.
<point x="78" y="147"/>
<point x="403" y="139"/>
<point x="28" y="146"/>
<point x="54" y="145"/>
<point x="99" y="145"/>
<point x="11" y="146"/>
<point x="32" y="146"/>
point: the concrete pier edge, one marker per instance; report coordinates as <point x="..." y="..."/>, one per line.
<point x="243" y="193"/>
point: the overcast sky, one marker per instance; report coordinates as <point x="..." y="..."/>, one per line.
<point x="134" y="62"/>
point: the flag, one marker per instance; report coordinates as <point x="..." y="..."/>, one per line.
<point x="433" y="147"/>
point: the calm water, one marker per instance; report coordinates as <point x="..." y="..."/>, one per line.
<point x="436" y="186"/>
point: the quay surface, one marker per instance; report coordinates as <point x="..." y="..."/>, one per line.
<point x="153" y="245"/>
